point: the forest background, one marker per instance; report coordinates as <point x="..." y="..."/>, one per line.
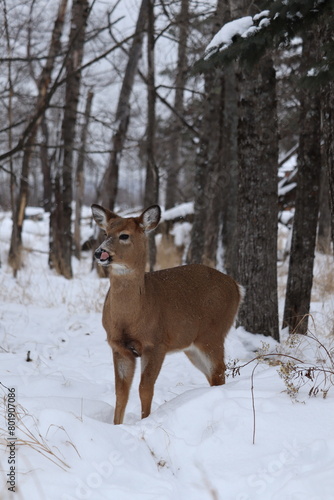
<point x="124" y="104"/>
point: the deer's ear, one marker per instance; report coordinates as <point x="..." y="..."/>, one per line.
<point x="102" y="216"/>
<point x="150" y="218"/>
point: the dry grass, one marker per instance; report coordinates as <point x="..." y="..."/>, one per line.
<point x="28" y="435"/>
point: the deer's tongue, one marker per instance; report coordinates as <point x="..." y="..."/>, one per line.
<point x="104" y="256"/>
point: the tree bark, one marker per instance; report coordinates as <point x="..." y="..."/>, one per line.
<point x="300" y="276"/>
<point x="257" y="203"/>
<point x="209" y="178"/>
<point x="61" y="257"/>
<point x="324" y="228"/>
<point x="152" y="175"/>
<point x="230" y="172"/>
<point x="109" y="184"/>
<point x="327" y="107"/>
<point x="46" y="165"/>
<point x="15" y="251"/>
<point x="180" y="80"/>
<point x="328" y="135"/>
<point x="80" y="178"/>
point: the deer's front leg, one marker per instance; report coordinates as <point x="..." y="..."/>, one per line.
<point x="124" y="365"/>
<point x="151" y="362"/>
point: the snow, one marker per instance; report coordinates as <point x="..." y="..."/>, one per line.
<point x="181" y="210"/>
<point x="282" y="190"/>
<point x="227" y="32"/>
<point x="244" y="27"/>
<point x="198" y="441"/>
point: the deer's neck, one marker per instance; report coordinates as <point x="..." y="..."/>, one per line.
<point x="127" y="291"/>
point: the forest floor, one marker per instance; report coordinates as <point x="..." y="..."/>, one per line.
<point x="259" y="437"/>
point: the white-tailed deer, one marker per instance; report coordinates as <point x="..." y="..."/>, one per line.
<point x="147" y="315"/>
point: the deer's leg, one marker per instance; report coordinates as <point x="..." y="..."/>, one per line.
<point x="151" y="362"/>
<point x="124" y="369"/>
<point x="209" y="361"/>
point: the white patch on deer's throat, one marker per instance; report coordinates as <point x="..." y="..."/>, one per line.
<point x="120" y="269"/>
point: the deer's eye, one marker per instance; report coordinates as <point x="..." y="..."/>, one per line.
<point x="123" y="237"/>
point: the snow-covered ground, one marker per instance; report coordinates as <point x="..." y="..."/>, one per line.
<point x="198" y="442"/>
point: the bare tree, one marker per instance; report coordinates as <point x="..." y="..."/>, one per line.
<point x="152" y="175"/>
<point x="207" y="183"/>
<point x="60" y="220"/>
<point x="300" y="277"/>
<point x="79" y="176"/>
<point x="180" y="81"/>
<point x="15" y="252"/>
<point x="109" y="183"/>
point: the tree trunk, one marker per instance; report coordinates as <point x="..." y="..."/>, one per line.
<point x="109" y="184"/>
<point x="300" y="277"/>
<point x="180" y="80"/>
<point x="61" y="257"/>
<point x="209" y="178"/>
<point x="15" y="251"/>
<point x="152" y="175"/>
<point x="79" y="177"/>
<point x="327" y="108"/>
<point x="230" y="172"/>
<point x="46" y="166"/>
<point x="328" y="135"/>
<point x="324" y="228"/>
<point x="257" y="204"/>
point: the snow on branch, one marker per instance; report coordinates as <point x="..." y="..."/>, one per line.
<point x="242" y="27"/>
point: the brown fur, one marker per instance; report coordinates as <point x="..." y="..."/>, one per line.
<point x="147" y="315"/>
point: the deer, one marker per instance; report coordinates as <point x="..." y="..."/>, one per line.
<point x="147" y="315"/>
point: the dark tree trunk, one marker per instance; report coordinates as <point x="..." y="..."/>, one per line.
<point x="300" y="277"/>
<point x="209" y="177"/>
<point x="62" y="257"/>
<point x="79" y="177"/>
<point x="230" y="173"/>
<point x="109" y="184"/>
<point x="181" y="75"/>
<point x="46" y="166"/>
<point x="257" y="205"/>
<point x="328" y="135"/>
<point x="15" y="251"/>
<point x="327" y="106"/>
<point x="152" y="175"/>
<point x="324" y="227"/>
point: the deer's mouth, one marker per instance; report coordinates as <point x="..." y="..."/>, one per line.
<point x="103" y="257"/>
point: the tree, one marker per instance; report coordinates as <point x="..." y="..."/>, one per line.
<point x="207" y="182"/>
<point x="327" y="103"/>
<point x="109" y="183"/>
<point x="300" y="277"/>
<point x="61" y="214"/>
<point x="152" y="174"/>
<point x="258" y="202"/>
<point x="180" y="81"/>
<point x="15" y="251"/>
<point x="79" y="177"/>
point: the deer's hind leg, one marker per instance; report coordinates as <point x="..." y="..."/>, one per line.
<point x="209" y="361"/>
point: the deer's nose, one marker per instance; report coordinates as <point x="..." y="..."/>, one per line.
<point x="98" y="253"/>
